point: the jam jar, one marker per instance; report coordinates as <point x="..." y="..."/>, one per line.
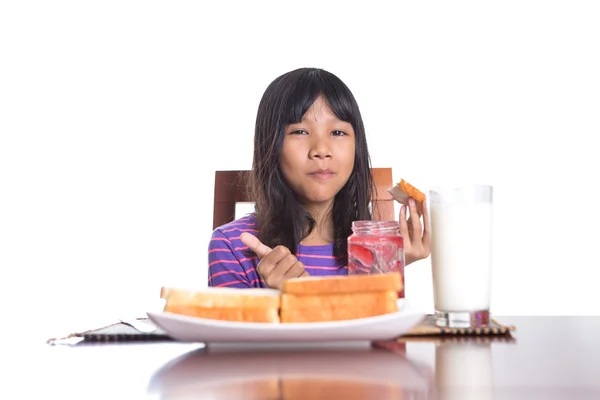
<point x="376" y="247"/>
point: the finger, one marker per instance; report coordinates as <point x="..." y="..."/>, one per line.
<point x="304" y="274"/>
<point x="269" y="263"/>
<point x="295" y="271"/>
<point x="409" y="225"/>
<point x="255" y="245"/>
<point x="426" y="234"/>
<point x="414" y="218"/>
<point x="278" y="273"/>
<point x="404" y="226"/>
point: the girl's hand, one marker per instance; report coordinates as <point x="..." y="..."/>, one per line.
<point x="417" y="241"/>
<point x="276" y="265"/>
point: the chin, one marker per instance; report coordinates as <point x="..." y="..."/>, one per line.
<point x="320" y="199"/>
<point x="319" y="195"/>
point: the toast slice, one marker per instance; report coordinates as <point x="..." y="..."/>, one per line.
<point x="366" y="299"/>
<point x="227" y="314"/>
<point x="353" y="311"/>
<point x="404" y="190"/>
<point x="317" y="285"/>
<point x="222" y="297"/>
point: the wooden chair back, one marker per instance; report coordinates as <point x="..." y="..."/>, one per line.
<point x="230" y="190"/>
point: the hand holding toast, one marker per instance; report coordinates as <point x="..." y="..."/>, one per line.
<point x="276" y="265"/>
<point x="417" y="241"/>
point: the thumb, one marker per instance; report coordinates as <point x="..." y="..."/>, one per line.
<point x="254" y="244"/>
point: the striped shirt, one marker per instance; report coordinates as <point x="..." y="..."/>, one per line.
<point x="229" y="263"/>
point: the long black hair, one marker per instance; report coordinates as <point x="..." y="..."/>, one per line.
<point x="280" y="218"/>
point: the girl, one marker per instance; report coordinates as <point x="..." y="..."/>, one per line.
<point x="311" y="177"/>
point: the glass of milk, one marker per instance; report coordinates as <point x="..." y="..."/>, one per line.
<point x="461" y="254"/>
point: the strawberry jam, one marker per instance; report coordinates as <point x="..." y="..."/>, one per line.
<point x="376" y="247"/>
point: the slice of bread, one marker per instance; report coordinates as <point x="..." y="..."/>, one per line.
<point x="366" y="299"/>
<point x="222" y="297"/>
<point x="316" y="285"/>
<point x="227" y="314"/>
<point x="404" y="190"/>
<point x="228" y="304"/>
<point x="385" y="305"/>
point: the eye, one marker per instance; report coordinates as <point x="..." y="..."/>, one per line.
<point x="298" y="132"/>
<point x="339" y="133"/>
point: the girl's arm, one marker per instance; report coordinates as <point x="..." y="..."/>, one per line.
<point x="224" y="266"/>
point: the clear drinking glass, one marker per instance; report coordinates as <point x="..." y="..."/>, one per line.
<point x="461" y="253"/>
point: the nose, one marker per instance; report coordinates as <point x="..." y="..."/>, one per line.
<point x="320" y="147"/>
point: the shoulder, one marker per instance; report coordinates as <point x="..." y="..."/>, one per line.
<point x="234" y="229"/>
<point x="228" y="235"/>
<point x="229" y="262"/>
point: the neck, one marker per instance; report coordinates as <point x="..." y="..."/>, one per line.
<point x="323" y="231"/>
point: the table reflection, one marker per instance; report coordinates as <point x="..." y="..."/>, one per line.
<point x="286" y="374"/>
<point x="462" y="365"/>
<point x="463" y="370"/>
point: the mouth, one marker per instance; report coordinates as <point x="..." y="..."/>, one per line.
<point x="322" y="173"/>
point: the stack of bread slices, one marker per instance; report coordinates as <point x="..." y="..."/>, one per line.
<point x="228" y="304"/>
<point x="310" y="299"/>
<point x="317" y="299"/>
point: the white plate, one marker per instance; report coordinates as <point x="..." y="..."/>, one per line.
<point x="382" y="327"/>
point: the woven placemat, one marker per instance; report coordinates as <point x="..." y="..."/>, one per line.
<point x="427" y="327"/>
<point x="426" y="331"/>
<point x="116" y="332"/>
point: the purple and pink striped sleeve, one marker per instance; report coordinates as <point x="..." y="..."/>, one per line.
<point x="229" y="264"/>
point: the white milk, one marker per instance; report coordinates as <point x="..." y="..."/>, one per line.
<point x="461" y="239"/>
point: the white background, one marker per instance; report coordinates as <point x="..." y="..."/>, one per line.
<point x="114" y="116"/>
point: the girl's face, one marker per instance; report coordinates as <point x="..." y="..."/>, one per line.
<point x="317" y="155"/>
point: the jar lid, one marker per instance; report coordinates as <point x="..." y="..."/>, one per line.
<point x="364" y="226"/>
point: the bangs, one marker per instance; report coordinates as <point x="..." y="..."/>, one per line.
<point x="309" y="87"/>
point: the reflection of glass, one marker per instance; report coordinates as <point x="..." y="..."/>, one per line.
<point x="308" y="375"/>
<point x="463" y="371"/>
<point x="461" y="254"/>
